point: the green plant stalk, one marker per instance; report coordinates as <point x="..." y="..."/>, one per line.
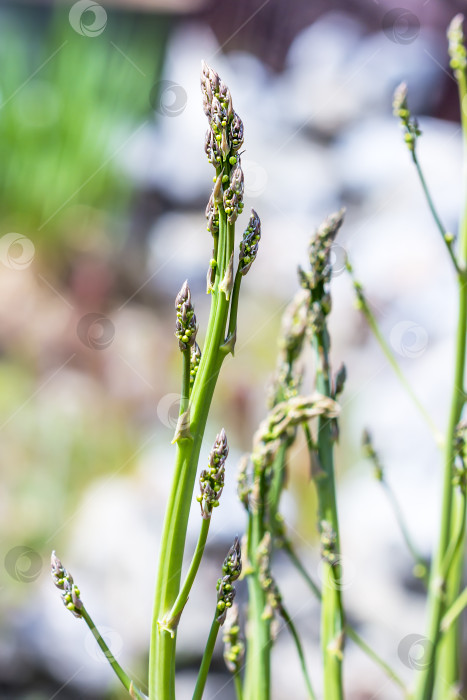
<point x="447" y="670"/>
<point x="417" y="557"/>
<point x="454" y="611"/>
<point x="370" y="319"/>
<point x="332" y="613"/>
<point x="293" y="631"/>
<point x="206" y="661"/>
<point x="258" y="653"/>
<point x="119" y="672"/>
<point x="182" y="597"/>
<point x="435" y="214"/>
<point x="349" y="630"/>
<point x="238" y="686"/>
<point x="163" y="641"/>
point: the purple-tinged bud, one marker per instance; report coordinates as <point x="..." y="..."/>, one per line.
<point x="249" y="244"/>
<point x="185" y="327"/>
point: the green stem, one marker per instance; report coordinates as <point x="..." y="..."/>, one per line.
<point x="182" y="598"/>
<point x="350" y="632"/>
<point x="332" y="612"/>
<point x="234" y="305"/>
<point x="371" y="320"/>
<point x="119" y="672"/>
<point x="206" y="661"/>
<point x="454" y="611"/>
<point x="293" y="631"/>
<point x="258" y="656"/>
<point x="435" y="215"/>
<point x="163" y="641"/>
<point x="355" y="637"/>
<point x="238" y="686"/>
<point x="442" y="593"/>
<point x="418" y="558"/>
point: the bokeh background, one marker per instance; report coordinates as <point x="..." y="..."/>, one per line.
<point x="103" y="185"/>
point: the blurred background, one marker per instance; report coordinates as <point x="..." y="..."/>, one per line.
<point x="103" y="185"/>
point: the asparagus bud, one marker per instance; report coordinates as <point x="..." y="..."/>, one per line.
<point x="185" y="328"/>
<point x="457" y="51"/>
<point x="408" y="123"/>
<point x="64" y="581"/>
<point x="320" y="254"/>
<point x="370" y="453"/>
<point x="233" y="195"/>
<point x="195" y="359"/>
<point x="236" y="133"/>
<point x="249" y="244"/>
<point x="234" y="647"/>
<point x="231" y="570"/>
<point x="211" y="480"/>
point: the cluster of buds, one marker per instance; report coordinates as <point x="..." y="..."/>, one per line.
<point x="231" y="570"/>
<point x="370" y="453"/>
<point x="244" y="481"/>
<point x="267" y="583"/>
<point x="408" y="123"/>
<point x="285" y="416"/>
<point x="234" y="647"/>
<point x="457" y="51"/>
<point x="225" y="133"/>
<point x="212" y="215"/>
<point x="211" y="480"/>
<point x="233" y="194"/>
<point x="294" y="325"/>
<point x="460" y="465"/>
<point x="249" y="244"/>
<point x="64" y="582"/>
<point x="339" y="381"/>
<point x="195" y="359"/>
<point x="185" y="328"/>
<point x="328" y="543"/>
<point x="320" y="259"/>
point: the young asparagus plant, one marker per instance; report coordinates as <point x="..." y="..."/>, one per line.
<point x="70" y="595"/>
<point x="200" y="370"/>
<point x="441" y="675"/>
<point x="223" y="141"/>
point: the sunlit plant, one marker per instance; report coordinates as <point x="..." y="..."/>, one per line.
<point x="262" y="474"/>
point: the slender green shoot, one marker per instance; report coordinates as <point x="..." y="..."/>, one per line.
<point x="364" y="307"/>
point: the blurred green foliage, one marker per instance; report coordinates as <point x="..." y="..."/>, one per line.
<point x="69" y="104"/>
